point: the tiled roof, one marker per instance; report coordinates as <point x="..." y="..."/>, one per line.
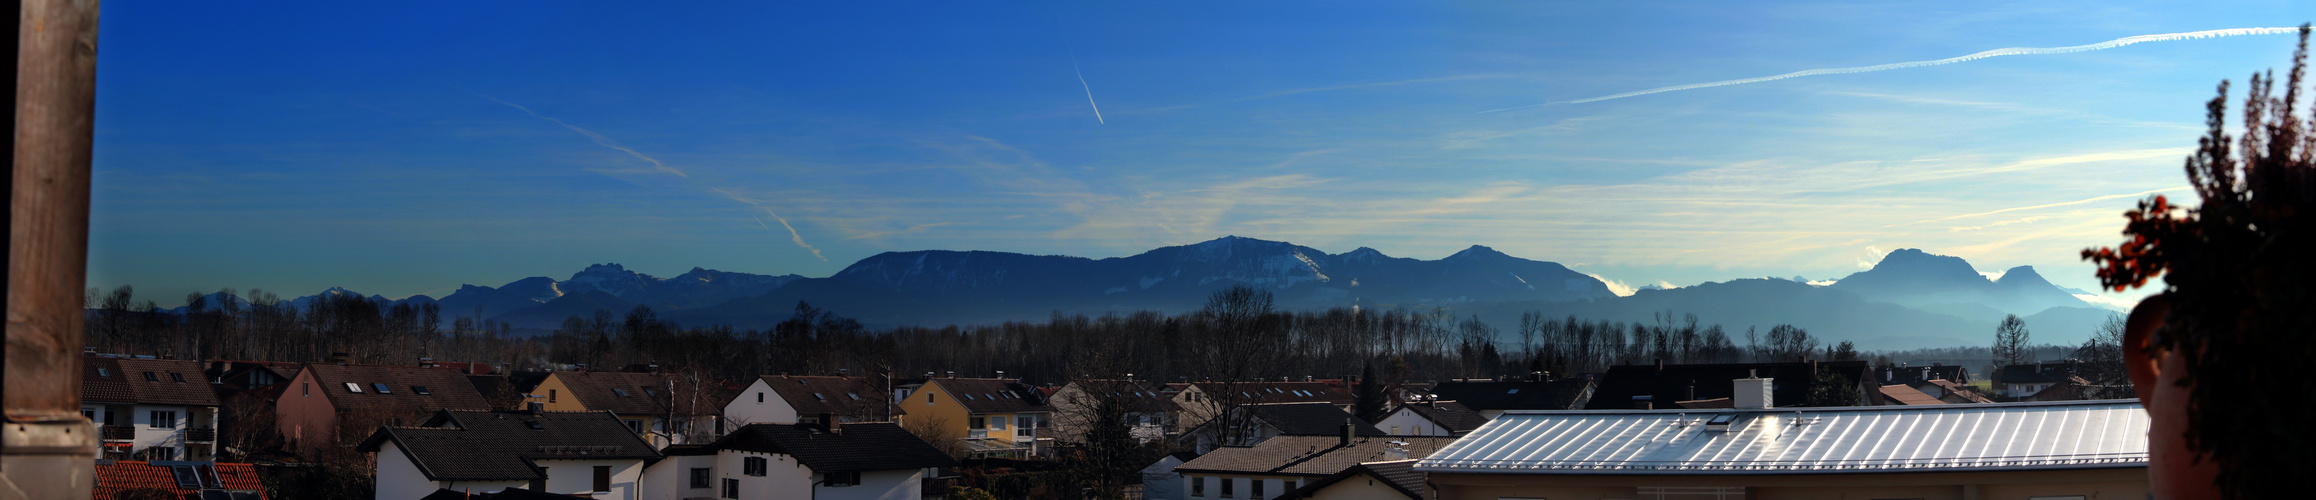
<point x="814" y="395"/>
<point x="1310" y="419"/>
<point x="989" y="395"/>
<point x="445" y="389"/>
<point x="1959" y="390"/>
<point x="1663" y="385"/>
<point x="1449" y="415"/>
<point x="628" y="393"/>
<point x="1876" y="439"/>
<point x="502" y="445"/>
<point x="116" y="477"/>
<point x="1139" y="395"/>
<point x="1398" y="474"/>
<point x="851" y="448"/>
<point x="1280" y="392"/>
<point x="125" y="380"/>
<point x="1311" y="455"/>
<point x="1905" y="395"/>
<point x="1563" y="394"/>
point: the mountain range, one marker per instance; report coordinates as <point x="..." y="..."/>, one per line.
<point x="1910" y="299"/>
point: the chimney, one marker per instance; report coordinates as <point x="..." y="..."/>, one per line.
<point x="1660" y="365"/>
<point x="1348" y="431"/>
<point x="1753" y="392"/>
<point x="1691" y="395"/>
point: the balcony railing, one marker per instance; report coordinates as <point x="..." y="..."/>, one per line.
<point x="977" y="434"/>
<point x="201" y="435"/>
<point x="117" y="433"/>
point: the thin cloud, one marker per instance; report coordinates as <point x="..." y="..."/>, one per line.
<point x="1331" y="88"/>
<point x="1089" y="88"/>
<point x="2049" y="205"/>
<point x="2014" y="51"/>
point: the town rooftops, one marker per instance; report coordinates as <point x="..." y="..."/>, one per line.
<point x="815" y="395"/>
<point x="1400" y="475"/>
<point x="1834" y="440"/>
<point x="1906" y="395"/>
<point x="990" y="395"/>
<point x="144" y="381"/>
<point x="460" y="445"/>
<point x="1310" y="419"/>
<point x="847" y="448"/>
<point x="1328" y="391"/>
<point x="1563" y="394"/>
<point x="1312" y="455"/>
<point x="630" y="393"/>
<point x="1628" y="386"/>
<point x="406" y="389"/>
<point x="1448" y="415"/>
<point x="205" y="480"/>
<point x="1139" y="395"/>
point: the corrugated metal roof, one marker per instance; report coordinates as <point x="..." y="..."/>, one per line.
<point x="2075" y="434"/>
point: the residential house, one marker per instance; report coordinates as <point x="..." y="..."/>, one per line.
<point x="1904" y="374"/>
<point x="1902" y="394"/>
<point x="832" y="461"/>
<point x="1949" y="391"/>
<point x="1160" y="481"/>
<point x="1210" y="397"/>
<point x="1431" y="418"/>
<point x="135" y="480"/>
<point x="665" y="408"/>
<point x="1284" y="463"/>
<point x="993" y="417"/>
<point x="158" y="409"/>
<point x="1492" y="397"/>
<point x="1388" y="480"/>
<point x="1640" y="387"/>
<point x="785" y="399"/>
<point x="231" y="375"/>
<point x="590" y="454"/>
<point x="2094" y="449"/>
<point x="331" y="405"/>
<point x="2022" y="382"/>
<point x="1149" y="414"/>
<point x="1252" y="424"/>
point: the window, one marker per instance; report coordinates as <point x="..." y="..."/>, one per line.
<point x="649" y="394"/>
<point x="1514" y="390"/>
<point x="164" y="453"/>
<point x="602" y="479"/>
<point x="731" y="488"/>
<point x="421" y="390"/>
<point x="88" y="414"/>
<point x="753" y="466"/>
<point x="306" y="390"/>
<point x="381" y="387"/>
<point x="703" y="477"/>
<point x="977" y="423"/>
<point x="855" y="395"/>
<point x="164" y="420"/>
<point x="150" y="378"/>
<point x="177" y="377"/>
<point x="619" y="392"/>
<point x="1025" y="425"/>
<point x="1198" y="486"/>
<point x="1418" y="430"/>
<point x="997" y="423"/>
<point x="1226" y="484"/>
<point x="1394" y="430"/>
<point x="843" y="479"/>
<point x="353" y="388"/>
<point x="928" y="398"/>
<point x="817" y="397"/>
<point x="635" y="426"/>
<point x="105" y="372"/>
<point x="759" y="398"/>
<point x="1255" y="490"/>
<point x="550" y="395"/>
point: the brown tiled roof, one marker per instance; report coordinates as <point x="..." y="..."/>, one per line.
<point x="814" y="395"/>
<point x="1904" y="395"/>
<point x="852" y="448"/>
<point x="115" y="478"/>
<point x="171" y="382"/>
<point x="1139" y="395"/>
<point x="502" y="445"/>
<point x="629" y="393"/>
<point x="1959" y="390"/>
<point x="446" y="389"/>
<point x="1310" y="455"/>
<point x="1449" y="415"/>
<point x="1398" y="474"/>
<point x="1280" y="392"/>
<point x="989" y="395"/>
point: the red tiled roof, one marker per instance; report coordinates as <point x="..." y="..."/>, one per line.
<point x="446" y="389"/>
<point x="628" y="393"/>
<point x="118" y="477"/>
<point x="122" y="380"/>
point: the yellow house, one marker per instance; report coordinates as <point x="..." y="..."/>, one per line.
<point x="645" y="402"/>
<point x="994" y="417"/>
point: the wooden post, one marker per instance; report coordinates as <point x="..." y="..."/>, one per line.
<point x="47" y="450"/>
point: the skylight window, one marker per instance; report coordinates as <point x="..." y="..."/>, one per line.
<point x="969" y="397"/>
<point x="381" y="387"/>
<point x="1514" y="390"/>
<point x="421" y="390"/>
<point x="650" y="393"/>
<point x="106" y="373"/>
<point x="817" y="397"/>
<point x="177" y="377"/>
<point x="619" y="392"/>
<point x="353" y="388"/>
<point x="149" y="377"/>
<point x="855" y="395"/>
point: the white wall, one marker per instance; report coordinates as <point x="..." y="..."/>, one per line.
<point x="1241" y="486"/>
<point x="1159" y="482"/>
<point x="398" y="478"/>
<point x="783" y="477"/>
<point x="577" y="477"/>
<point x="671" y="478"/>
<point x="1406" y="421"/>
<point x="746" y="410"/>
<point x="878" y="485"/>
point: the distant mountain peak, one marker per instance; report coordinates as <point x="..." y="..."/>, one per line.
<point x="1477" y="251"/>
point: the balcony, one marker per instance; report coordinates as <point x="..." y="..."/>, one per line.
<point x="117" y="433"/>
<point x="201" y="435"/>
<point x="977" y="434"/>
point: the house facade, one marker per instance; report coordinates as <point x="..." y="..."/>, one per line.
<point x="332" y="405"/>
<point x="1431" y="418"/>
<point x="1150" y="415"/>
<point x="2092" y="449"/>
<point x="150" y="409"/>
<point x="833" y="461"/>
<point x="1388" y="480"/>
<point x="588" y="454"/>
<point x="993" y="417"/>
<point x="663" y="408"/>
<point x="1285" y="463"/>
<point x="1251" y="425"/>
<point x="785" y="399"/>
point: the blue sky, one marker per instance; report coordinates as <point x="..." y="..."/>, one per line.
<point x="407" y="148"/>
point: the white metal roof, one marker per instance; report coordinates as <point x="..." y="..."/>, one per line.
<point x="2075" y="434"/>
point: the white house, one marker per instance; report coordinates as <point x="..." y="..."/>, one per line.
<point x="1160" y="482"/>
<point x="588" y="454"/>
<point x="784" y="399"/>
<point x="1431" y="418"/>
<point x="149" y="409"/>
<point x="834" y="461"/>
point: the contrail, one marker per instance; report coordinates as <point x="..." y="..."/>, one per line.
<point x="1089" y="88"/>
<point x="2014" y="51"/>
